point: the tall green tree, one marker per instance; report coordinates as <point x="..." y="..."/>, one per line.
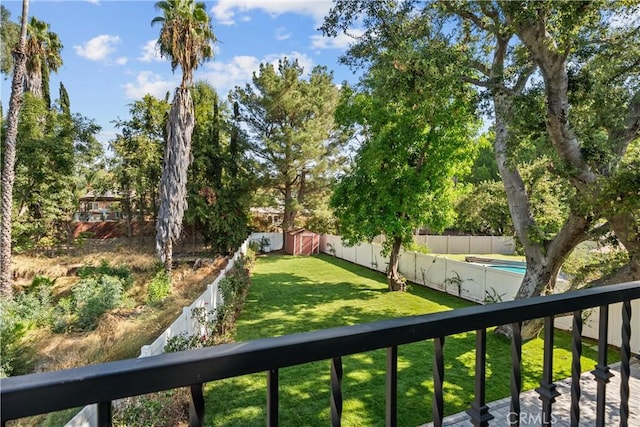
<point x="9" y="35"/>
<point x="186" y="38"/>
<point x="43" y="56"/>
<point x="56" y="149"/>
<point x="220" y="177"/>
<point x="291" y="122"/>
<point x="508" y="43"/>
<point x="418" y="134"/>
<point x="137" y="163"/>
<point x="8" y="167"/>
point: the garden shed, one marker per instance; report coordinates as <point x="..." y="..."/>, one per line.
<point x="302" y="242"/>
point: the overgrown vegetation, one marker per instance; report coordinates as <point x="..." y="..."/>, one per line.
<point x="214" y="326"/>
<point x="159" y="287"/>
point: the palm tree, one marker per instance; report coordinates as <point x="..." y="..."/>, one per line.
<point x="43" y="55"/>
<point x="186" y="38"/>
<point x="8" y="170"/>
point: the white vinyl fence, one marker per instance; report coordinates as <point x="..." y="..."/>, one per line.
<point x="505" y="245"/>
<point x="470" y="281"/>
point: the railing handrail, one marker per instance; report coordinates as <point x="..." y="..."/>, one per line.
<point x="51" y="391"/>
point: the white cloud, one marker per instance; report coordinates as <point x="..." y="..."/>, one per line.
<point x="282" y="33"/>
<point x="122" y="60"/>
<point x="98" y="48"/>
<point x="225" y="76"/>
<point x="150" y="52"/>
<point x="149" y="83"/>
<point x="225" y="10"/>
<point x="341" y="41"/>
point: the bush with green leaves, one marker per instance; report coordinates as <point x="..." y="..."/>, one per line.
<point x="164" y="408"/>
<point x="159" y="287"/>
<point x="94" y="296"/>
<point x="12" y="330"/>
<point x="35" y="304"/>
<point x="121" y="272"/>
<point x="214" y="325"/>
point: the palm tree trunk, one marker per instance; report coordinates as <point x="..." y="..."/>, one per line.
<point x="173" y="184"/>
<point x="8" y="171"/>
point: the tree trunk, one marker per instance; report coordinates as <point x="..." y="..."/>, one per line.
<point x="173" y="184"/>
<point x="168" y="256"/>
<point x="33" y="83"/>
<point x="394" y="280"/>
<point x="8" y="171"/>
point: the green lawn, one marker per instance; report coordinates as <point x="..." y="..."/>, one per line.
<point x="296" y="294"/>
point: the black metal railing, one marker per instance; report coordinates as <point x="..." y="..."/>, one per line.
<point x="102" y="384"/>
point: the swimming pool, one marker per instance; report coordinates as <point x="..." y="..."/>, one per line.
<point x="512" y="268"/>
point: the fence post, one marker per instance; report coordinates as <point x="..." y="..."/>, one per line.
<point x="144" y="351"/>
<point x="186" y="313"/>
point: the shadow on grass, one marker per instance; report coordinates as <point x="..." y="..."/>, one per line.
<point x="290" y="295"/>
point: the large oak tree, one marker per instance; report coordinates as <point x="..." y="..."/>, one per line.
<point x="513" y="48"/>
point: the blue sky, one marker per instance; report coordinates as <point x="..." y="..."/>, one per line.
<point x="110" y="58"/>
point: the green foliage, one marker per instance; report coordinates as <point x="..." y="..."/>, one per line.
<point x="215" y="325"/>
<point x="159" y="287"/>
<point x="165" y="408"/>
<point x="220" y="177"/>
<point x="417" y="247"/>
<point x="121" y="272"/>
<point x="483" y="209"/>
<point x="413" y="142"/>
<point x="186" y="36"/>
<point x="52" y="150"/>
<point x="94" y="296"/>
<point x="587" y="263"/>
<point x="12" y="330"/>
<point x="9" y="34"/>
<point x="291" y="122"/>
<point x="138" y="149"/>
<point x="35" y="304"/>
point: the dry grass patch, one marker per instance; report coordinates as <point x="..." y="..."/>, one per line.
<point x="120" y="333"/>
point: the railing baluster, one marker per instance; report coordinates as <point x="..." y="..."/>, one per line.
<point x="625" y="357"/>
<point x="547" y="389"/>
<point x="196" y="406"/>
<point x="272" y="397"/>
<point x="104" y="414"/>
<point x="479" y="411"/>
<point x="516" y="373"/>
<point x="336" y="391"/>
<point x="392" y="386"/>
<point x="438" y="381"/>
<point x="602" y="372"/>
<point x="576" y="371"/>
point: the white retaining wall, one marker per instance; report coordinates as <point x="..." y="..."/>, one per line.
<point x="479" y="284"/>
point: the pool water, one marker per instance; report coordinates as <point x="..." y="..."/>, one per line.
<point x="513" y="269"/>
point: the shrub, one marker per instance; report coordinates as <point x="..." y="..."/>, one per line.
<point x="121" y="272"/>
<point x="215" y="325"/>
<point x="93" y="297"/>
<point x="35" y="304"/>
<point x="12" y="329"/>
<point x="165" y="408"/>
<point x="159" y="287"/>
